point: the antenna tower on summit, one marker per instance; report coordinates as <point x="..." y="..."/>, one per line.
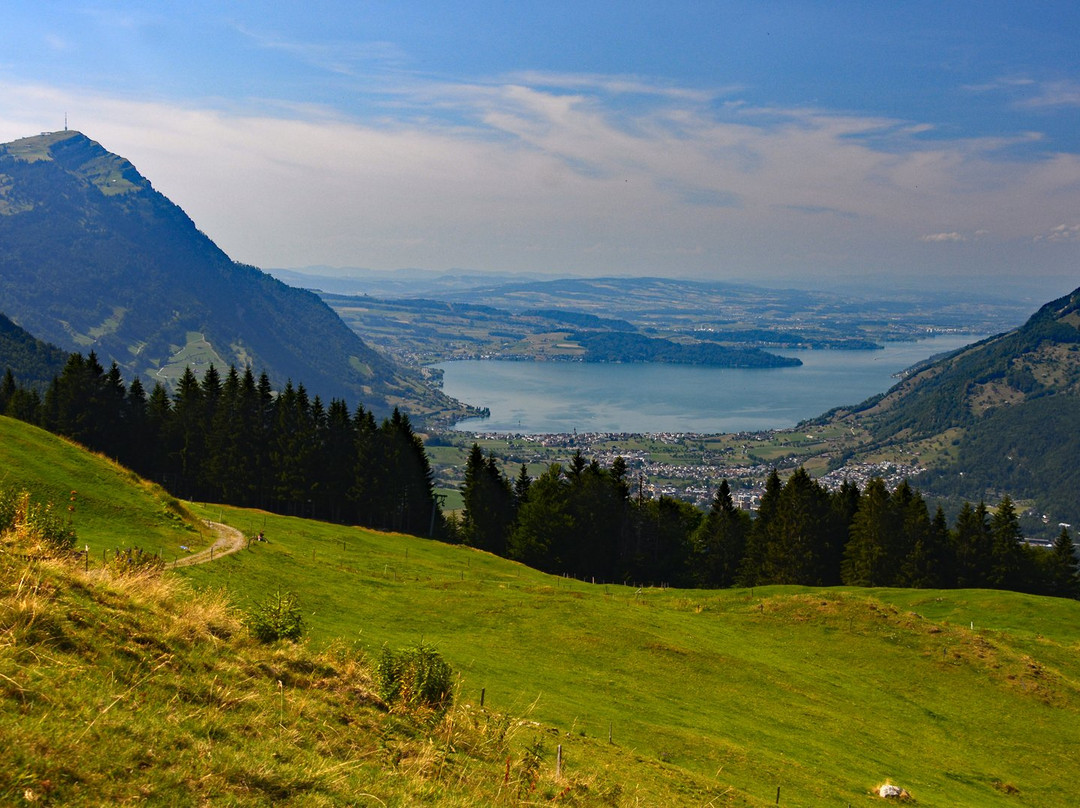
<point x="65" y="121"/>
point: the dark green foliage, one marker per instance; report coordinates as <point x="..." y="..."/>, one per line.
<point x="232" y="441"/>
<point x="489" y="504"/>
<point x="415" y="678"/>
<point x="1029" y="449"/>
<point x="608" y="346"/>
<point x="973" y="547"/>
<point x="794" y="536"/>
<point x="719" y="543"/>
<point x="581" y="320"/>
<point x="1062" y="564"/>
<point x="31" y="362"/>
<point x="276" y="618"/>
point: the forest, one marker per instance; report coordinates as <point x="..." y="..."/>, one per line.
<point x="232" y="439"/>
<point x="585" y="521"/>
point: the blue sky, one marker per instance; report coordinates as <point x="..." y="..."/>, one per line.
<point x="918" y="145"/>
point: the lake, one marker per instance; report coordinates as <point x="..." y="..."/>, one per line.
<point x="553" y="397"/>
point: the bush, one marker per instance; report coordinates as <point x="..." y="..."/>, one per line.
<point x="276" y="618"/>
<point x="415" y="678"/>
<point x="135" y="561"/>
<point x="34" y="522"/>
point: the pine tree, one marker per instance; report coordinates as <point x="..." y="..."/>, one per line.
<point x="719" y="543"/>
<point x="1006" y="553"/>
<point x="870" y="557"/>
<point x="488" y="499"/>
<point x="751" y="572"/>
<point x="972" y="546"/>
<point x="1063" y="567"/>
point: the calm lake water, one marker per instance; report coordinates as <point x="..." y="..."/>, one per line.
<point x="547" y="397"/>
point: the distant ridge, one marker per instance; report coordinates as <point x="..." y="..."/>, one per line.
<point x="93" y="258"/>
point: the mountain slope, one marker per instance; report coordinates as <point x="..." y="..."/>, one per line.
<point x="1015" y="399"/>
<point x="31" y="361"/>
<point x="94" y="258"/>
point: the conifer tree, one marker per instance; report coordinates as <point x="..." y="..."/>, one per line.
<point x="488" y="499"/>
<point x="1063" y="567"/>
<point x="972" y="547"/>
<point x="719" y="543"/>
<point x="1007" y="558"/>
<point x="751" y="572"/>
<point x="870" y="557"/>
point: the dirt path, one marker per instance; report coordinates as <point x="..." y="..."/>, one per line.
<point x="229" y="540"/>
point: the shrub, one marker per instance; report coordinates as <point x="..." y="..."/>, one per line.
<point x="415" y="678"/>
<point x="276" y="618"/>
<point x="34" y="522"/>
<point x="135" y="561"/>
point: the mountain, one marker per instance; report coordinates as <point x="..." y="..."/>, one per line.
<point x="1007" y="408"/>
<point x="93" y="258"/>
<point x="32" y="362"/>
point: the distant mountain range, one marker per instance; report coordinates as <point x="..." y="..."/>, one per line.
<point x="1006" y="410"/>
<point x="93" y="258"/>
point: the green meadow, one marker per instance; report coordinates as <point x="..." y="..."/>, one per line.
<point x="964" y="698"/>
<point x="778" y="695"/>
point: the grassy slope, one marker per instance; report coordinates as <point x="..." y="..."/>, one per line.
<point x="712" y="697"/>
<point x="113" y="507"/>
<point x="821" y="692"/>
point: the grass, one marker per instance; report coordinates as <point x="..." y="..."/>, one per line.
<point x="114" y="691"/>
<point x="113" y="508"/>
<point x="825" y="693"/>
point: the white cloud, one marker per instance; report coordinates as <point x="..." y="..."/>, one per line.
<point x="945" y="237"/>
<point x="555" y="174"/>
<point x="1062" y="232"/>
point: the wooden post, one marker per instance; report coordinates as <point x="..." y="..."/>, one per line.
<point x="211" y="552"/>
<point x="609" y="732"/>
<point x="778" y="795"/>
<point x="558" y="762"/>
<point x="482" y="691"/>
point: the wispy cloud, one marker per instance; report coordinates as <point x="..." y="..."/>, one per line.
<point x="1062" y="232"/>
<point x="344" y="58"/>
<point x="939" y="238"/>
<point x="555" y="173"/>
<point x="1029" y="93"/>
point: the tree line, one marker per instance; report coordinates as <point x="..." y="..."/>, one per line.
<point x="584" y="521"/>
<point x="231" y="439"/>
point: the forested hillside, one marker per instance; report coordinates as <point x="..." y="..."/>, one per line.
<point x="28" y="360"/>
<point x="1015" y="399"/>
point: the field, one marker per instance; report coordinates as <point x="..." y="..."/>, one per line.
<point x="964" y="698"/>
<point x="656" y="696"/>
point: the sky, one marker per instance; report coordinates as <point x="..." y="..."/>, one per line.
<point x="916" y="145"/>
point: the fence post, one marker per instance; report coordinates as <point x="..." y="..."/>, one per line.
<point x="558" y="762"/>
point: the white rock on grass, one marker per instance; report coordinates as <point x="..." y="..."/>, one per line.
<point x="890" y="791"/>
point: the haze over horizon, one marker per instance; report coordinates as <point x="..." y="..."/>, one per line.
<point x="920" y="145"/>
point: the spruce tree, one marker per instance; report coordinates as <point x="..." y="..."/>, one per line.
<point x="1063" y="567"/>
<point x="719" y="543"/>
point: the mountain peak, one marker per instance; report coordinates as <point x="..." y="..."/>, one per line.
<point x="76" y="153"/>
<point x="95" y="258"/>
